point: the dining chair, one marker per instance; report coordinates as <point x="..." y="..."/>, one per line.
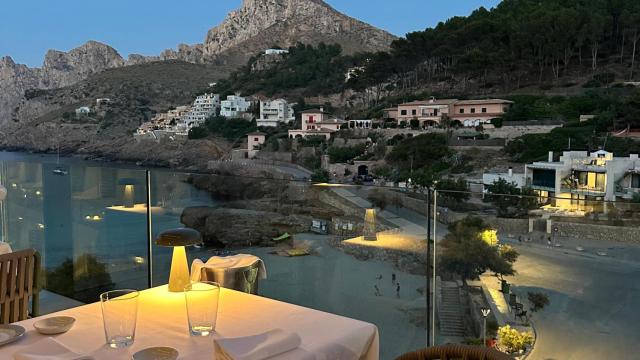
<point x="19" y="273"/>
<point x="456" y="351"/>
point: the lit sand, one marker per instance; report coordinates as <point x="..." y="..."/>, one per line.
<point x="392" y="241"/>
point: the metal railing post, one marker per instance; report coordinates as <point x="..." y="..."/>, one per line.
<point x="149" y="232"/>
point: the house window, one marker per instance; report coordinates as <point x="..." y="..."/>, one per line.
<point x="473" y="110"/>
<point x="413" y="112"/>
<point x="484" y="110"/>
<point x="435" y="112"/>
<point x="311" y="119"/>
<point x="403" y="112"/>
<point x="635" y="181"/>
<point x="461" y="111"/>
<point x="255" y="139"/>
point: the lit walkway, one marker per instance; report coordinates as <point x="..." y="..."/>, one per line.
<point x="406" y="227"/>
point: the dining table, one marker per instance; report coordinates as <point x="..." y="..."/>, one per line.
<point x="162" y="321"/>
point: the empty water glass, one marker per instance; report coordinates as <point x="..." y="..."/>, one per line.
<point x="119" y="313"/>
<point x="202" y="307"/>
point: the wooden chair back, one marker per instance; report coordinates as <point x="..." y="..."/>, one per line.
<point x="19" y="272"/>
<point x="456" y="351"/>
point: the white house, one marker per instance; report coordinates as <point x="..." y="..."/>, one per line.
<point x="103" y="101"/>
<point x="203" y="107"/>
<point x="234" y="106"/>
<point x="579" y="176"/>
<point x="273" y="112"/>
<point x="254" y="140"/>
<point x="518" y="179"/>
<point x="360" y="124"/>
<point x="316" y="122"/>
<point x="276" y="51"/>
<point x="83" y="110"/>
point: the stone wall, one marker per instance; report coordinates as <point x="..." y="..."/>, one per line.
<point x="508" y="226"/>
<point x="598" y="232"/>
<point x="348" y="208"/>
<point x="275" y="156"/>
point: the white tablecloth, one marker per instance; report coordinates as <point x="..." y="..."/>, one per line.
<point x="162" y="321"/>
<point x="4" y="248"/>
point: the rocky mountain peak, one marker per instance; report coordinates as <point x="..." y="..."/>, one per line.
<point x="295" y="20"/>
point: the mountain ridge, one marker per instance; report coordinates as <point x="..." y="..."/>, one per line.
<point x="240" y="36"/>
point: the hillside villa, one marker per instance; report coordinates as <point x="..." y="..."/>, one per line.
<point x="579" y="176"/>
<point x="468" y="113"/>
<point x="254" y="141"/>
<point x="234" y="107"/>
<point x="317" y="122"/>
<point x="274" y="112"/>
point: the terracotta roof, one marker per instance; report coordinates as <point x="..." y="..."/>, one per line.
<point x="332" y="121"/>
<point x="430" y="102"/>
<point x="314" y="111"/>
<point x="483" y="101"/>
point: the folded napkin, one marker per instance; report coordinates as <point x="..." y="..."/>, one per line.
<point x="227" y="262"/>
<point x="48" y="349"/>
<point x="5" y="248"/>
<point x="257" y="347"/>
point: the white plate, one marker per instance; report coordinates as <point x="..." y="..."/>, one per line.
<point x="54" y="325"/>
<point x="10" y="333"/>
<point x="156" y="353"/>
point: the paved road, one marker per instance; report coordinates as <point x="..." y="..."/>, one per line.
<point x="594" y="310"/>
<point x="595" y="300"/>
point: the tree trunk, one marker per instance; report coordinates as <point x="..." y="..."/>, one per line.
<point x="567" y="58"/>
<point x="594" y="56"/>
<point x="622" y="48"/>
<point x="580" y="55"/>
<point x="633" y="54"/>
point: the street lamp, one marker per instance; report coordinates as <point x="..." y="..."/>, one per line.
<point x="485" y="313"/>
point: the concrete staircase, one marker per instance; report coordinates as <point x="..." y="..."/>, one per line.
<point x="450" y="311"/>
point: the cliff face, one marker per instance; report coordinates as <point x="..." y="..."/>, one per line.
<point x="285" y="22"/>
<point x="58" y="70"/>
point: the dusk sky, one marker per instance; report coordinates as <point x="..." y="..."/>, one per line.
<point x="30" y="27"/>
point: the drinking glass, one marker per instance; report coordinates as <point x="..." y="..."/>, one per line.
<point x="202" y="307"/>
<point x="119" y="313"/>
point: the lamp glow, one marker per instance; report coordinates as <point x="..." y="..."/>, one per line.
<point x="370" y="225"/>
<point x="179" y="239"/>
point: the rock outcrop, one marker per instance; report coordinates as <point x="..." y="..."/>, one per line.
<point x="286" y="22"/>
<point x="241" y="227"/>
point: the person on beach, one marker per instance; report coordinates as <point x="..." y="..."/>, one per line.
<point x="376" y="290"/>
<point x="393" y="278"/>
<point x="398" y="290"/>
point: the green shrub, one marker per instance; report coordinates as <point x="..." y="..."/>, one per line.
<point x="513" y="340"/>
<point x="198" y="132"/>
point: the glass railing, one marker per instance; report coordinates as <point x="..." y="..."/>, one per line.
<point x="554" y="268"/>
<point x="355" y="250"/>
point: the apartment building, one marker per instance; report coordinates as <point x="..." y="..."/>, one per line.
<point x="234" y="107"/>
<point x="274" y="112"/>
<point x="203" y="107"/>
